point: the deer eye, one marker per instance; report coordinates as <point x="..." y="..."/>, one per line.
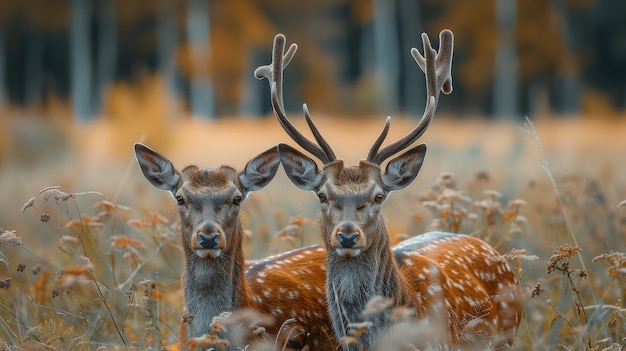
<point x="180" y="200"/>
<point x="237" y="200"/>
<point x="322" y="197"/>
<point x="379" y="198"/>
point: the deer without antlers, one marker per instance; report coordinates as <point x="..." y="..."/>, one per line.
<point x="461" y="292"/>
<point x="288" y="287"/>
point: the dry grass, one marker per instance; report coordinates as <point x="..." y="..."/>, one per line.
<point x="96" y="262"/>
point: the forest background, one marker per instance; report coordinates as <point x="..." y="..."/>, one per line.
<point x="537" y="113"/>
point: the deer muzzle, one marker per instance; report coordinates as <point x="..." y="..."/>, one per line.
<point x="347" y="239"/>
<point x="208" y="241"/>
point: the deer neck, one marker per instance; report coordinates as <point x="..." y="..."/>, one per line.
<point x="214" y="286"/>
<point x="352" y="282"/>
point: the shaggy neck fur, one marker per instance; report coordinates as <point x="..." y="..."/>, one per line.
<point x="352" y="282"/>
<point x="213" y="286"/>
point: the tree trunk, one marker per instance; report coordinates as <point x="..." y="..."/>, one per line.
<point x="4" y="94"/>
<point x="80" y="58"/>
<point x="201" y="90"/>
<point x="414" y="90"/>
<point x="505" y="77"/>
<point x="33" y="77"/>
<point x="386" y="55"/>
<point x="252" y="92"/>
<point x="167" y="42"/>
<point x="568" y="84"/>
<point x="107" y="51"/>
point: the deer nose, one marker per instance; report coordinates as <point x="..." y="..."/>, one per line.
<point x="208" y="241"/>
<point x="347" y="240"/>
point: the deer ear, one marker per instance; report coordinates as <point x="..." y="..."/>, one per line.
<point x="260" y="170"/>
<point x="301" y="170"/>
<point x="402" y="170"/>
<point x="156" y="168"/>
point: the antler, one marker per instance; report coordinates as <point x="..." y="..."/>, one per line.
<point x="437" y="66"/>
<point x="274" y="74"/>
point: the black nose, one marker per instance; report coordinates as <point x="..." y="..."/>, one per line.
<point x="348" y="240"/>
<point x="208" y="241"/>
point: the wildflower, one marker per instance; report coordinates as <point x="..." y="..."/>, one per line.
<point x="402" y="314"/>
<point x="56" y="292"/>
<point x="537" y="290"/>
<point x="517" y="203"/>
<point x="520" y="255"/>
<point x="358" y="329"/>
<point x="207" y="340"/>
<point x="36" y="269"/>
<point x="123" y="242"/>
<point x="612" y="323"/>
<point x="558" y="260"/>
<point x="377" y="304"/>
<point x="54" y="192"/>
<point x="28" y="204"/>
<point x="252" y="319"/>
<point x="218" y="324"/>
<point x="109" y="206"/>
<point x="617" y="260"/>
<point x="9" y="239"/>
<point x="188" y="318"/>
<point x="132" y="290"/>
<point x="492" y="194"/>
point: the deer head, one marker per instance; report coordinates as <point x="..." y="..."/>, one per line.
<point x="351" y="197"/>
<point x="208" y="199"/>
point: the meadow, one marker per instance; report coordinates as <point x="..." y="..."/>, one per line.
<point x="90" y="253"/>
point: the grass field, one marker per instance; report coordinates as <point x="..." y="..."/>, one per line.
<point x="95" y="260"/>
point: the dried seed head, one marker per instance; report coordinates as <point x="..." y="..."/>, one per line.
<point x="537" y="290"/>
<point x="188" y="318"/>
<point x="358" y="329"/>
<point x="28" y="204"/>
<point x="377" y="304"/>
<point x="54" y="192"/>
<point x="9" y="239"/>
<point x="493" y="194"/>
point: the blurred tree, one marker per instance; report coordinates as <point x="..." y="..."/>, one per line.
<point x="386" y="55"/>
<point x="412" y="86"/>
<point x="106" y="63"/>
<point x="81" y="70"/>
<point x="511" y="57"/>
<point x="505" y="75"/>
<point x="4" y="95"/>
<point x="168" y="40"/>
<point x="201" y="99"/>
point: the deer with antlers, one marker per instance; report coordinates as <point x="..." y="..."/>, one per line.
<point x="289" y="287"/>
<point x="460" y="291"/>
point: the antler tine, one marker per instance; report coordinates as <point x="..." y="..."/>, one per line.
<point x="328" y="151"/>
<point x="437" y="68"/>
<point x="274" y="74"/>
<point x="295" y="134"/>
<point x="379" y="141"/>
<point x="280" y="60"/>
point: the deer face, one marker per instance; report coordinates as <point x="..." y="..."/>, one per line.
<point x="208" y="203"/>
<point x="208" y="200"/>
<point x="350" y="201"/>
<point x="351" y="197"/>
